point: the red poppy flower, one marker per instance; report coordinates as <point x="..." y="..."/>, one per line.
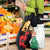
<point x="22" y="40"/>
<point x="27" y="33"/>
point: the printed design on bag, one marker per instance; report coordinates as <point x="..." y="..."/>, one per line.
<point x="34" y="43"/>
<point x="34" y="34"/>
<point x="26" y="34"/>
<point x="26" y="25"/>
<point x="22" y="39"/>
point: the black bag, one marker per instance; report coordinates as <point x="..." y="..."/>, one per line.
<point x="24" y="39"/>
<point x="25" y="32"/>
<point x="25" y="35"/>
<point x="32" y="18"/>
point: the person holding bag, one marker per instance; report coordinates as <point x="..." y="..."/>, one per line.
<point x="33" y="12"/>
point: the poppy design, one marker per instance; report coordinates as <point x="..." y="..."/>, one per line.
<point x="22" y="40"/>
<point x="27" y="33"/>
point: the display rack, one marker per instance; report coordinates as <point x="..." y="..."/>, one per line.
<point x="44" y="19"/>
<point x="47" y="4"/>
<point x="46" y="11"/>
<point x="47" y="32"/>
<point x="47" y="29"/>
<point x="7" y="40"/>
<point x="5" y="37"/>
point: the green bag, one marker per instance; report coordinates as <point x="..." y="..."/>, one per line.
<point x="34" y="43"/>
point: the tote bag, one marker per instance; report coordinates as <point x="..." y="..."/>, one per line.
<point x="25" y="35"/>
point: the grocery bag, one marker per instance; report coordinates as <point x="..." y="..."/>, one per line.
<point x="34" y="43"/>
<point x="25" y="35"/>
<point x="38" y="41"/>
<point x="40" y="35"/>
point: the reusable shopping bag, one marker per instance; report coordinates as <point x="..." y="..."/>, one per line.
<point x="25" y="35"/>
<point x="32" y="18"/>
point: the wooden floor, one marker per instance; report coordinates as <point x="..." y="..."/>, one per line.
<point x="47" y="46"/>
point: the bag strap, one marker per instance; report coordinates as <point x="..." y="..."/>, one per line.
<point x="26" y="26"/>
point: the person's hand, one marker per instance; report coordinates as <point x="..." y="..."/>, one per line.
<point x="17" y="3"/>
<point x="21" y="4"/>
<point x="23" y="7"/>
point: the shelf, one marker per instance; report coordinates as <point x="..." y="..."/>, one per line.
<point x="11" y="7"/>
<point x="11" y="47"/>
<point x="43" y="19"/>
<point x="10" y="41"/>
<point x="11" y="35"/>
<point x="47" y="32"/>
<point x="47" y="26"/>
<point x="46" y="11"/>
<point x="47" y="35"/>
<point x="47" y="4"/>
<point x="5" y="37"/>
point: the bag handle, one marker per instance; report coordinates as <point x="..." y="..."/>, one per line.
<point x="26" y="26"/>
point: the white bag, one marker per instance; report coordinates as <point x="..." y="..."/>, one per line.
<point x="40" y="35"/>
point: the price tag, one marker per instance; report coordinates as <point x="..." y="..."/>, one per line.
<point x="44" y="19"/>
<point x="15" y="7"/>
<point x="0" y="6"/>
<point x="9" y="16"/>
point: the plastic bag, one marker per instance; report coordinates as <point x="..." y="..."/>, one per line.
<point x="34" y="43"/>
<point x="39" y="40"/>
<point x="40" y="35"/>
